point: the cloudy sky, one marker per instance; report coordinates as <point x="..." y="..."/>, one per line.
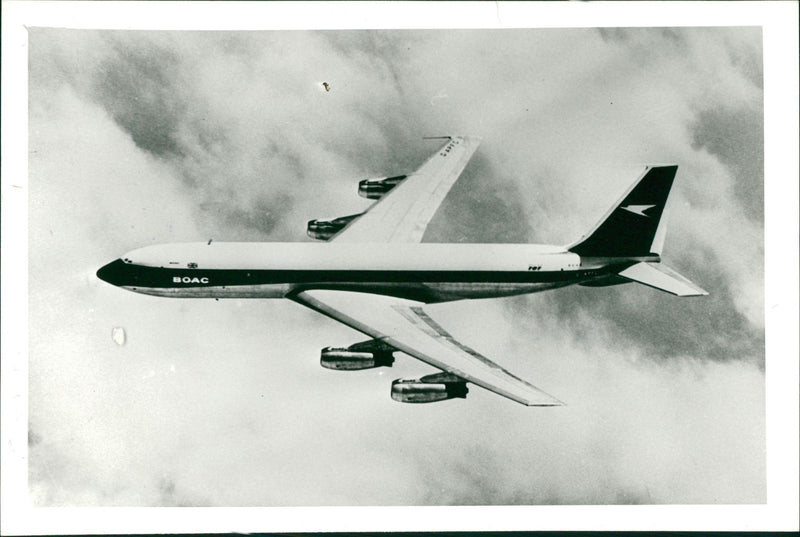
<point x="140" y="137"/>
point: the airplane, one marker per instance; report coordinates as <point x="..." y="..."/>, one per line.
<point x="372" y="273"/>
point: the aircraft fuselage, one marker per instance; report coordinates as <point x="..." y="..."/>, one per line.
<point x="419" y="271"/>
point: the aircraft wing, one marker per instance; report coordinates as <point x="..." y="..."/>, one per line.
<point x="402" y="215"/>
<point x="406" y="326"/>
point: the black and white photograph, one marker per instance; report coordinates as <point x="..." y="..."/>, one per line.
<point x="400" y="266"/>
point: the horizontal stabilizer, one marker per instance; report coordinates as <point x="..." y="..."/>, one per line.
<point x="663" y="278"/>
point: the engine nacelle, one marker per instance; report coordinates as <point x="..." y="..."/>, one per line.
<point x="324" y="229"/>
<point x="429" y="389"/>
<point x="375" y="189"/>
<point x="363" y="355"/>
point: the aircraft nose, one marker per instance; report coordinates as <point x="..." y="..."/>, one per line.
<point x="114" y="273"/>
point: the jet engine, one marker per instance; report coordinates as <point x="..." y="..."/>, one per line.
<point x="375" y="189"/>
<point x="429" y="389"/>
<point x="363" y="355"/>
<point x="324" y="229"/>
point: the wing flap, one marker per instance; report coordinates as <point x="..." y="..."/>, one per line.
<point x="403" y="214"/>
<point x="406" y="326"/>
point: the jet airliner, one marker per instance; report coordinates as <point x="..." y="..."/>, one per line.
<point x="372" y="273"/>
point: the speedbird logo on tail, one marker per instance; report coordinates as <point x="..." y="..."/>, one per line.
<point x="638" y="209"/>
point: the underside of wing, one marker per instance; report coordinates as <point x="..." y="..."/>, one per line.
<point x="406" y="326"/>
<point x="402" y="214"/>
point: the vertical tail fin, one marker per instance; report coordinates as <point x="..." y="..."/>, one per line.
<point x="633" y="227"/>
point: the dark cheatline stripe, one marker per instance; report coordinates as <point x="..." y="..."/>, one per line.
<point x="162" y="277"/>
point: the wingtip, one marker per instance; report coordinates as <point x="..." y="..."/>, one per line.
<point x="451" y="136"/>
<point x="549" y="401"/>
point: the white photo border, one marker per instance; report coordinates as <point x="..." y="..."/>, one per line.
<point x="780" y="44"/>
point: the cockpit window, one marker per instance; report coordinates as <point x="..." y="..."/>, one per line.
<point x="126" y="260"/>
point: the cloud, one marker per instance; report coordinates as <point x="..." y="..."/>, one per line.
<point x="631" y="423"/>
<point x="741" y="153"/>
<point x="149" y="137"/>
<point x="481" y="211"/>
